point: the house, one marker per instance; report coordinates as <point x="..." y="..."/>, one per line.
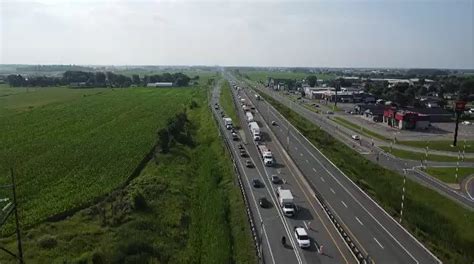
<point x="160" y="84"/>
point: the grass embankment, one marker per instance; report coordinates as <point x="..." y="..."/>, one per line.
<point x="227" y="103"/>
<point x="447" y="174"/>
<point x="357" y="129"/>
<point x="404" y="154"/>
<point x="444" y="145"/>
<point x="182" y="208"/>
<point x="444" y="226"/>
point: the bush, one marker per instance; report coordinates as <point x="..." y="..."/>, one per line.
<point x="139" y="201"/>
<point x="47" y="241"/>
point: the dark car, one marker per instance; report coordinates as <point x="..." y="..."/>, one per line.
<point x="256" y="183"/>
<point x="274" y="123"/>
<point x="264" y="203"/>
<point x="249" y="164"/>
<point x="276" y="179"/>
<point x="240" y="146"/>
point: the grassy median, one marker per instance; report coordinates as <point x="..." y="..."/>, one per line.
<point x="447" y="174"/>
<point x="411" y="155"/>
<point x="441" y="224"/>
<point x="227" y="103"/>
<point x="444" y="145"/>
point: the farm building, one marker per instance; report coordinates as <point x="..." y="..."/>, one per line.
<point x="160" y="84"/>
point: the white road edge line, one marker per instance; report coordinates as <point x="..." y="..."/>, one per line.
<point x="367" y="196"/>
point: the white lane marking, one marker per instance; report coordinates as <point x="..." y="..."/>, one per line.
<point x="315" y="170"/>
<point x="304" y="222"/>
<point x="358" y="220"/>
<point x="378" y="242"/>
<point x="332" y="190"/>
<point x="357" y="201"/>
<point x="343" y="203"/>
<point x="296" y="148"/>
<point x="301" y="154"/>
<point x="322" y="179"/>
<point x="307" y="161"/>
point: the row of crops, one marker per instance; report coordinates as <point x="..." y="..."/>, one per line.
<point x="66" y="154"/>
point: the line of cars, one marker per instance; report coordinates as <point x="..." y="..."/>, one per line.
<point x="284" y="196"/>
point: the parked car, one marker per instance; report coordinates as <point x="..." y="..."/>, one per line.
<point x="276" y="179"/>
<point x="329" y="112"/>
<point x="249" y="164"/>
<point x="256" y="183"/>
<point x="274" y="123"/>
<point x="264" y="203"/>
<point x="302" y="238"/>
<point x="466" y="122"/>
<point x="355" y="137"/>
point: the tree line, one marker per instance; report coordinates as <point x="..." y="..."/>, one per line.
<point x="97" y="79"/>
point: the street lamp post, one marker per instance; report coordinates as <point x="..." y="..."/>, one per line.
<point x="403" y="194"/>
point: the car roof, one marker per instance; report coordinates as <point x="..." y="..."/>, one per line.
<point x="300" y="231"/>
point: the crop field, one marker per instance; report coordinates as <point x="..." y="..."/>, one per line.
<point x="195" y="180"/>
<point x="69" y="151"/>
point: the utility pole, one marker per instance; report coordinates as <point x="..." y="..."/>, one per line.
<point x="17" y="223"/>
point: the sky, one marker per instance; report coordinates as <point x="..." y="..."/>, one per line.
<point x="330" y="33"/>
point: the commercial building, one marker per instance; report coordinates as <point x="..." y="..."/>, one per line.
<point x="403" y="119"/>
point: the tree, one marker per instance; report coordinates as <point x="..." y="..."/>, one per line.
<point x="136" y="79"/>
<point x="466" y="89"/>
<point x="312" y="80"/>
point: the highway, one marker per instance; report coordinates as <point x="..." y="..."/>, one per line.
<point x="375" y="154"/>
<point x="380" y="237"/>
<point x="327" y="245"/>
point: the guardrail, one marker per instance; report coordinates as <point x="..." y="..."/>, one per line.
<point x="253" y="228"/>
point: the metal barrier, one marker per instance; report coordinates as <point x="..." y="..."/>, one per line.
<point x="253" y="228"/>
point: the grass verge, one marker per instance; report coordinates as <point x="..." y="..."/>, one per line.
<point x="447" y="174"/>
<point x="343" y="122"/>
<point x="444" y="145"/>
<point x="227" y="103"/>
<point x="411" y="155"/>
<point x="442" y="225"/>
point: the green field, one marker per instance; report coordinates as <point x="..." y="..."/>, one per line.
<point x="444" y="145"/>
<point x="447" y="175"/>
<point x="263" y="75"/>
<point x="356" y="128"/>
<point x="443" y="225"/>
<point x="227" y="103"/>
<point x="169" y="213"/>
<point x="411" y="155"/>
<point x="67" y="153"/>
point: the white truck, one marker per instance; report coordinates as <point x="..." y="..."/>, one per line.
<point x="266" y="155"/>
<point x="228" y="123"/>
<point x="249" y="116"/>
<point x="285" y="198"/>
<point x="255" y="130"/>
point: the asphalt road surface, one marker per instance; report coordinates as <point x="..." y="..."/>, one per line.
<point x="379" y="235"/>
<point x="327" y="245"/>
<point x="373" y="153"/>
